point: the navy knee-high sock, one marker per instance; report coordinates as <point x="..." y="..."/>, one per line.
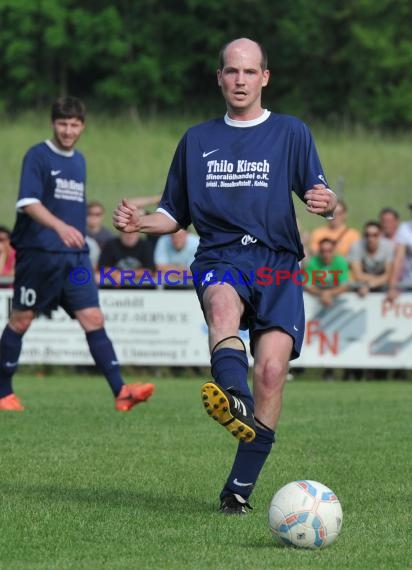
<point x="229" y="369"/>
<point x="249" y="461"/>
<point x="10" y="348"/>
<point x="101" y="348"/>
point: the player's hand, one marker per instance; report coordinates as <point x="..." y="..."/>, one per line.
<point x="320" y="200"/>
<point x="70" y="236"/>
<point x="126" y="217"/>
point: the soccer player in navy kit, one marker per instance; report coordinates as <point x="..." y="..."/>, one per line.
<point x="49" y="236"/>
<point x="232" y="178"/>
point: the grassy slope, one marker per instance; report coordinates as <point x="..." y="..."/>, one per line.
<point x="129" y="158"/>
<point x="84" y="487"/>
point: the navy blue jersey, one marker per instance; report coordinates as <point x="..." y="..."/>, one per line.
<point x="56" y="179"/>
<point x="233" y="178"/>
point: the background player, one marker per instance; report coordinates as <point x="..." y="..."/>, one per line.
<point x="49" y="236"/>
<point x="233" y="177"/>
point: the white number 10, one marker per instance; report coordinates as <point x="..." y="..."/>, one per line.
<point x="27" y="296"/>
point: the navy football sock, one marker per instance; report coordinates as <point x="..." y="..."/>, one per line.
<point x="249" y="461"/>
<point x="101" y="348"/>
<point x="229" y="369"/>
<point x="10" y="348"/>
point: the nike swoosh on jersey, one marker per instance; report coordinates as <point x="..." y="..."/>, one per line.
<point x="239" y="484"/>
<point x="205" y="154"/>
<point x="55" y="172"/>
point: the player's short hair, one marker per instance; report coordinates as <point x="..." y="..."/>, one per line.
<point x="68" y="108"/>
<point x="263" y="60"/>
<point x="392" y="211"/>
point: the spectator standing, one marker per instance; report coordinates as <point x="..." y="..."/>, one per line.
<point x="335" y="230"/>
<point x="371" y="259"/>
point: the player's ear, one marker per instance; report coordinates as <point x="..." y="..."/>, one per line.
<point x="265" y="79"/>
<point x="219" y="77"/>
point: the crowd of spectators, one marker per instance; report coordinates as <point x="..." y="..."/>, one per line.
<point x="377" y="260"/>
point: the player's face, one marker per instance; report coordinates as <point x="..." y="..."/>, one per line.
<point x="67" y="132"/>
<point x="242" y="79"/>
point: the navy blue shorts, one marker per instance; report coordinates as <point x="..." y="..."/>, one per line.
<point x="46" y="280"/>
<point x="267" y="281"/>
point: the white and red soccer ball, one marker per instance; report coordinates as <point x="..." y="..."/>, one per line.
<point x="305" y="514"/>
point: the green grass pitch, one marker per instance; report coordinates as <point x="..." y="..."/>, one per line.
<point x="85" y="487"/>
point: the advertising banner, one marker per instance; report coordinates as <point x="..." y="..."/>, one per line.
<point x="167" y="328"/>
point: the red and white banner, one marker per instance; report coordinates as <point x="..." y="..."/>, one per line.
<point x="166" y="328"/>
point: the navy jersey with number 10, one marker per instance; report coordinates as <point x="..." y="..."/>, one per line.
<point x="231" y="178"/>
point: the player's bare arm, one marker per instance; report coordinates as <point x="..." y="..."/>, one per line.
<point x="126" y="218"/>
<point x="143" y="201"/>
<point x="320" y="200"/>
<point x="70" y="235"/>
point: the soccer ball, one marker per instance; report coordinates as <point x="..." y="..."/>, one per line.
<point x="305" y="514"/>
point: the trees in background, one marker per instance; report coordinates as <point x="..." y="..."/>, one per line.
<point x="328" y="59"/>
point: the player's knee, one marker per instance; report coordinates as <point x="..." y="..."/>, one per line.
<point x="20" y="323"/>
<point x="271" y="373"/>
